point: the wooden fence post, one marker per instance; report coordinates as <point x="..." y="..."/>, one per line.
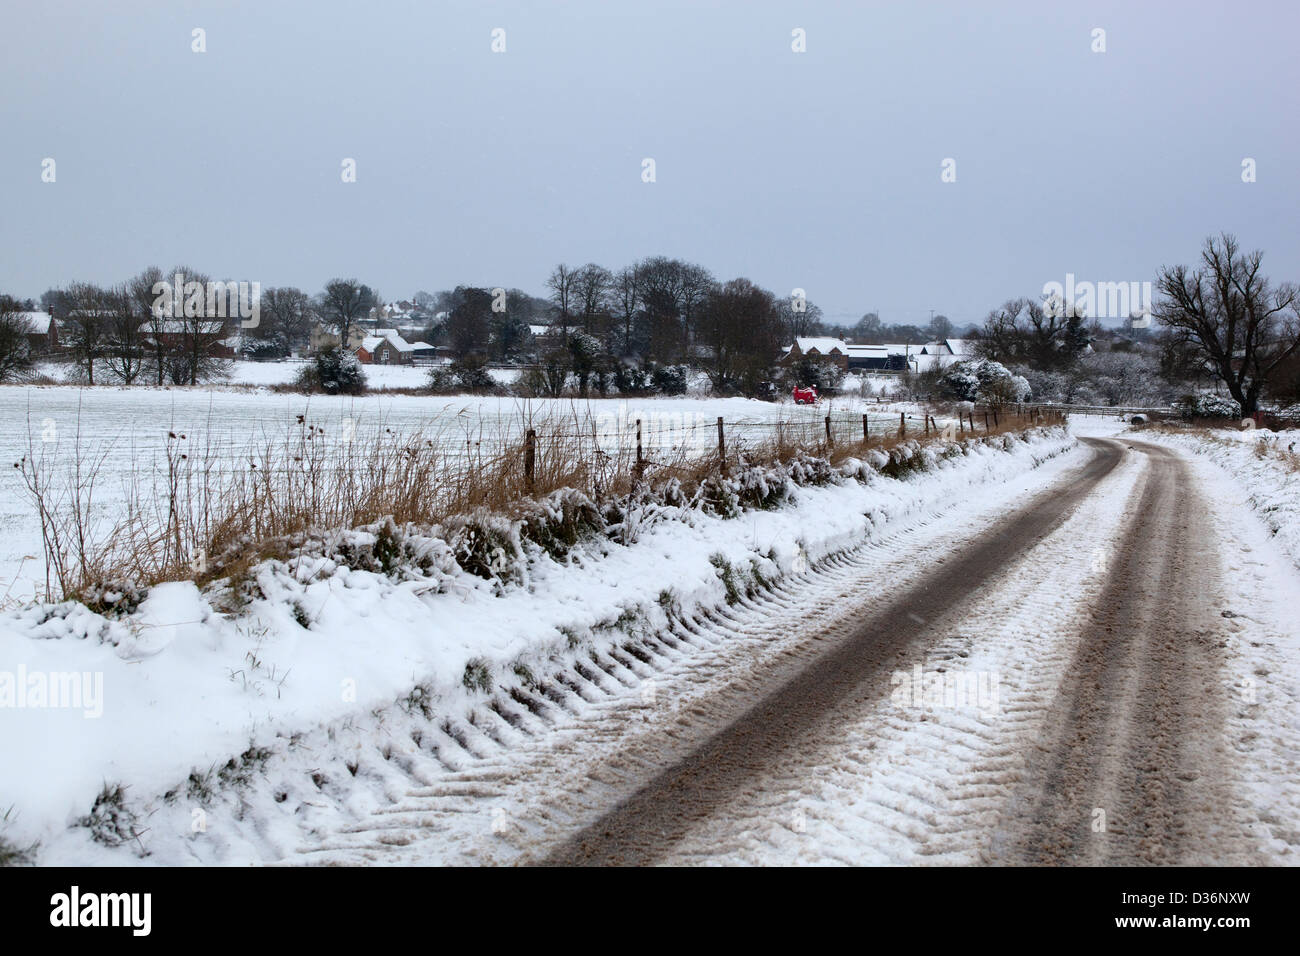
<point x="865" y="434"/>
<point x="829" y="440"/>
<point x="640" y="465"/>
<point x="530" y="455"/>
<point x="926" y="424"/>
<point x="902" y="424"/>
<point x="722" y="447"/>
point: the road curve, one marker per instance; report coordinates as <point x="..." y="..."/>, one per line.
<point x="854" y="671"/>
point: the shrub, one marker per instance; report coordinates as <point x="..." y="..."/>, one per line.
<point x="264" y="349"/>
<point x="670" y="379"/>
<point x="419" y="700"/>
<point x="631" y="379"/>
<point x="334" y="372"/>
<point x="485" y="545"/>
<point x="11" y="854"/>
<point x="984" y="381"/>
<point x="463" y="375"/>
<point x="558" y="522"/>
<point x="1207" y="406"/>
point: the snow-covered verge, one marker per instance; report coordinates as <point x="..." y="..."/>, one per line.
<point x="142" y="729"/>
<point x="1261" y="638"/>
<point x="1264" y="465"/>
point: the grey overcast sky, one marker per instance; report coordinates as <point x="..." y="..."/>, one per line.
<point x="818" y="170"/>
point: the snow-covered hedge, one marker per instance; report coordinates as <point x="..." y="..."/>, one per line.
<point x="980" y="380"/>
<point x="1206" y="405"/>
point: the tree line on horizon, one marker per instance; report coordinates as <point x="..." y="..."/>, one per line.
<point x="613" y="330"/>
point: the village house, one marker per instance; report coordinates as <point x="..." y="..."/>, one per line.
<point x="386" y="347"/>
<point x="42" y="332"/>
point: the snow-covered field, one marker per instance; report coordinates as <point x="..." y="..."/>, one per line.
<point x="266" y="374"/>
<point x="174" y="693"/>
<point x="377" y="376"/>
<point x="126" y="431"/>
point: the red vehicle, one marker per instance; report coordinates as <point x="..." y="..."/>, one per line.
<point x="805" y="396"/>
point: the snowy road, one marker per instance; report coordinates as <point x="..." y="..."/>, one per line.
<point x="1052" y="677"/>
<point x="1133" y="729"/>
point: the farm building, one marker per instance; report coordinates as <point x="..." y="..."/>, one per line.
<point x="865" y="358"/>
<point x="386" y="347"/>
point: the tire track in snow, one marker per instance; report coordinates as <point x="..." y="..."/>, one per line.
<point x="896" y="783"/>
<point x="1132" y="767"/>
<point x="1111" y="697"/>
<point x="599" y="739"/>
<point x="852" y="671"/>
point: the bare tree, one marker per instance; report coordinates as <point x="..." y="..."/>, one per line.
<point x="1045" y="335"/>
<point x="740" y="327"/>
<point x="798" y="318"/>
<point x="343" y="302"/>
<point x="87" y="329"/>
<point x="697" y="284"/>
<point x="868" y="330"/>
<point x="1229" y="314"/>
<point x="625" y="298"/>
<point x="287" y="315"/>
<point x="146" y="300"/>
<point x="562" y="283"/>
<point x="193" y="332"/>
<point x="940" y="328"/>
<point x="125" y="334"/>
<point x="592" y="286"/>
<point x="673" y="292"/>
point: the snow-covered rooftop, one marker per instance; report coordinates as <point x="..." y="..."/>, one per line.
<point x="823" y="344"/>
<point x="38" y="322"/>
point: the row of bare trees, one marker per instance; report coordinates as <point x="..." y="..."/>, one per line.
<point x="1223" y="318"/>
<point x="657" y="309"/>
<point x="1032" y="332"/>
<point x="1222" y="321"/>
<point x="122" y="332"/>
